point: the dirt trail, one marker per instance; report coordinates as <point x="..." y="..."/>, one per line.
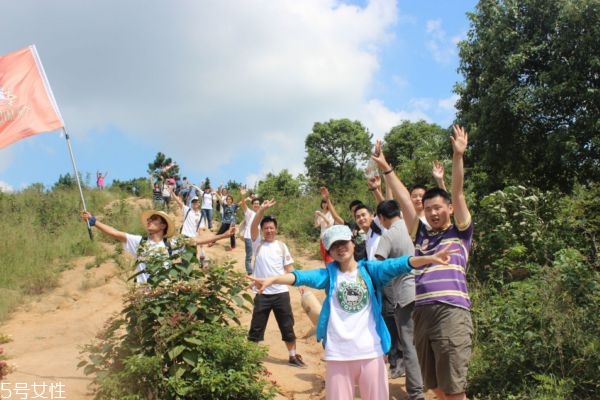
<point x="49" y="332"/>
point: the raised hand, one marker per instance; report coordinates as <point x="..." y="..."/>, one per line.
<point x="459" y="140"/>
<point x="324" y="192"/>
<point x="438" y="170"/>
<point x="379" y="157"/>
<point x="374" y="182"/>
<point x="268" y="203"/>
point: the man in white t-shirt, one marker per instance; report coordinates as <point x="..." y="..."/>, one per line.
<point x="272" y="257"/>
<point x="249" y="214"/>
<point x="159" y="229"/>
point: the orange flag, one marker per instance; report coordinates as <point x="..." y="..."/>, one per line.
<point x="27" y="106"/>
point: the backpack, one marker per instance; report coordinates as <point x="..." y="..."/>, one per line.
<point x="165" y="241"/>
<point x="184" y="218"/>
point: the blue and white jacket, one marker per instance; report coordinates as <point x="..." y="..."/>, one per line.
<point x="375" y="273"/>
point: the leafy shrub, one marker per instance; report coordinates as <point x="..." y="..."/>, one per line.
<point x="515" y="231"/>
<point x="542" y="329"/>
<point x="175" y="338"/>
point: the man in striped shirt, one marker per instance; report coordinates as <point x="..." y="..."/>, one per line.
<point x="443" y="327"/>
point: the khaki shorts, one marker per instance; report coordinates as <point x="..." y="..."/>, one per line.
<point x="443" y="339"/>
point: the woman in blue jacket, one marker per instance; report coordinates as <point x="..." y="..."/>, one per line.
<point x="351" y="327"/>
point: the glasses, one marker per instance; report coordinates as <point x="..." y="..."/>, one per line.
<point x="155" y="218"/>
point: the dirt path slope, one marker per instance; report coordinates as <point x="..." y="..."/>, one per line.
<point x="49" y="332"/>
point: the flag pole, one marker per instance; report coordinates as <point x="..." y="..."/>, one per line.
<point x="89" y="228"/>
<point x="42" y="72"/>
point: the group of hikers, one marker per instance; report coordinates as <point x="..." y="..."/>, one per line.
<point x="394" y="279"/>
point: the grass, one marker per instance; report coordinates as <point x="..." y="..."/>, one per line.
<point x="42" y="232"/>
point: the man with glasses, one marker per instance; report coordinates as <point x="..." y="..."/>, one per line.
<point x="272" y="257"/>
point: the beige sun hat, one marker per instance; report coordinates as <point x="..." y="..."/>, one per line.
<point x="170" y="224"/>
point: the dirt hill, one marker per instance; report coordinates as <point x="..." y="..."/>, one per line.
<point x="49" y="331"/>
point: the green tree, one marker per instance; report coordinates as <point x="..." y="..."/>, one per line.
<point x="531" y="95"/>
<point x="280" y="186"/>
<point x="65" y="182"/>
<point x="335" y="150"/>
<point x="413" y="146"/>
<point x="136" y="186"/>
<point x="163" y="166"/>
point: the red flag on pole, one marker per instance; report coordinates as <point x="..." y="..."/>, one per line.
<point x="27" y="106"/>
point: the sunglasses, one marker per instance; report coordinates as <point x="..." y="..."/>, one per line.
<point x="156" y="218"/>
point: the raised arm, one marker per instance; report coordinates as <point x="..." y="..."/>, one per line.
<point x="254" y="231"/>
<point x="325" y="195"/>
<point x="176" y="198"/>
<point x="462" y="216"/>
<point x="438" y="174"/>
<point x="399" y="191"/>
<point x="106" y="229"/>
<point x="243" y="200"/>
<point x="374" y="185"/>
<point x="211" y="238"/>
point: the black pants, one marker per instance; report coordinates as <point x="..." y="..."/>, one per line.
<point x="282" y="308"/>
<point x="224" y="228"/>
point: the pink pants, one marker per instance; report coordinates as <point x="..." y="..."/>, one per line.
<point x="370" y="375"/>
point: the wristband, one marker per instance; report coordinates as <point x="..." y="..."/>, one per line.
<point x="92" y="221"/>
<point x="372" y="189"/>
<point x="389" y="171"/>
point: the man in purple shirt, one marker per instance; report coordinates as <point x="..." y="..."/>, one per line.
<point x="443" y="327"/>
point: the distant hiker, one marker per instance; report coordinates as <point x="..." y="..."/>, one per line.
<point x="350" y="326"/>
<point x="323" y="220"/>
<point x="157" y="198"/>
<point x="228" y="218"/>
<point x="100" y="179"/>
<point x="272" y="257"/>
<point x="206" y="206"/>
<point x="192" y="217"/>
<point x="249" y="214"/>
<point x="168" y="187"/>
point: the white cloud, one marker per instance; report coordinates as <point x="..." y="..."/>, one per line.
<point x="205" y="80"/>
<point x="442" y="48"/>
<point x="380" y="120"/>
<point x="449" y="103"/>
<point x="5" y="187"/>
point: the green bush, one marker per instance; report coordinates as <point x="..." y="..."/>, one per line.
<point x="176" y="337"/>
<point x="535" y="286"/>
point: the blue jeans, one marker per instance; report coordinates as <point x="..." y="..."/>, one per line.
<point x="206" y="213"/>
<point x="248" y="246"/>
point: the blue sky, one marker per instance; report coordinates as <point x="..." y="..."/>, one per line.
<point x="228" y="89"/>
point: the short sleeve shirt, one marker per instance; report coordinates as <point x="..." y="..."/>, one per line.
<point x="269" y="261"/>
<point x="443" y="283"/>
